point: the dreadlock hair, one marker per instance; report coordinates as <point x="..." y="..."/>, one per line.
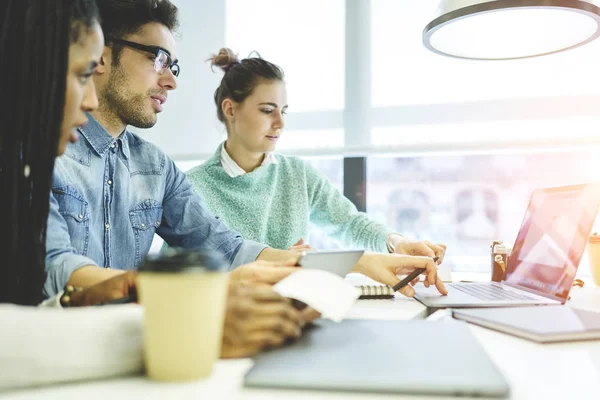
<point x="35" y="36"/>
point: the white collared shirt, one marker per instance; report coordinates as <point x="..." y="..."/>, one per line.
<point x="233" y="170"/>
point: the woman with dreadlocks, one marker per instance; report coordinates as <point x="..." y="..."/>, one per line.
<point x="49" y="50"/>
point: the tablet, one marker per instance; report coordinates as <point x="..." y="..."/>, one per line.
<point x="339" y="262"/>
<point x="540" y="324"/>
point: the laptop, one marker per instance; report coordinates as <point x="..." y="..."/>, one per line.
<point x="544" y="259"/>
<point x="403" y="357"/>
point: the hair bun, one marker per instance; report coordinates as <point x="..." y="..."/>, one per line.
<point x="225" y="59"/>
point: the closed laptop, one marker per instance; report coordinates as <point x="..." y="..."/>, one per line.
<point x="407" y="357"/>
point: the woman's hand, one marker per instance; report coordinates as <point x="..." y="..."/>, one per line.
<point x="410" y="247"/>
<point x="385" y="268"/>
<point x="301" y="247"/>
<point x="114" y="288"/>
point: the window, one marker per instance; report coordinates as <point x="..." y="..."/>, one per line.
<point x="406" y="73"/>
<point x="470" y="136"/>
<point x="467" y="141"/>
<point x="310" y="141"/>
<point x="467" y="201"/>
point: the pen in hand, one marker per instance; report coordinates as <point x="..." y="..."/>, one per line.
<point x="410" y="277"/>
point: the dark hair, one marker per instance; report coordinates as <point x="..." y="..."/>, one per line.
<point x="121" y="18"/>
<point x="34" y="52"/>
<point x="241" y="77"/>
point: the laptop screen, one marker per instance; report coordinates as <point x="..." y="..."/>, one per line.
<point x="552" y="238"/>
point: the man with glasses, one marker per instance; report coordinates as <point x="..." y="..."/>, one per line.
<point x="112" y="191"/>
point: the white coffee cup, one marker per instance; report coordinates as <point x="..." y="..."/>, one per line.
<point x="184" y="298"/>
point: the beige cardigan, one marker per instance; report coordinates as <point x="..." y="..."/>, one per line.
<point x="43" y="345"/>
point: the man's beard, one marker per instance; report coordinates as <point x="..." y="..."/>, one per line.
<point x="130" y="108"/>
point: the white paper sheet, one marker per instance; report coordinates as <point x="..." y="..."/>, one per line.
<point x="327" y="293"/>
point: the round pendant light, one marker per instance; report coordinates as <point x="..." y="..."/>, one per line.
<point x="510" y="29"/>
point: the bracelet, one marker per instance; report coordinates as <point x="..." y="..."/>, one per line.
<point x="65" y="299"/>
<point x="388" y="245"/>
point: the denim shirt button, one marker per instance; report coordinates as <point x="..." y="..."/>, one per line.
<point x="107" y="226"/>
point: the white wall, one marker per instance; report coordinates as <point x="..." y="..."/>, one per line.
<point x="188" y="125"/>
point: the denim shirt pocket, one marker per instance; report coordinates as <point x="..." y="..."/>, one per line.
<point x="145" y="219"/>
<point x="75" y="211"/>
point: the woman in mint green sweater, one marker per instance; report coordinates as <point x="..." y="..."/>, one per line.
<point x="271" y="198"/>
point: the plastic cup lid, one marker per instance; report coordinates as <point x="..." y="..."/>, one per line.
<point x="174" y="260"/>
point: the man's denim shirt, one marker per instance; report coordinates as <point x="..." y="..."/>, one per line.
<point x="109" y="196"/>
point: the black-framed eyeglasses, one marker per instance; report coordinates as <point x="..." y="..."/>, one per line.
<point x="162" y="59"/>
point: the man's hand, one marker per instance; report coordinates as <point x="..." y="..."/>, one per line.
<point x="114" y="288"/>
<point x="384" y="268"/>
<point x="257" y="317"/>
<point x="301" y="247"/>
<point x="410" y="247"/>
<point x="269" y="272"/>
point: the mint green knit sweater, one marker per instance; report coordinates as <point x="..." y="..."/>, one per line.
<point x="274" y="203"/>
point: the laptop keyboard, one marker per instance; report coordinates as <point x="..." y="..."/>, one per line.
<point x="484" y="291"/>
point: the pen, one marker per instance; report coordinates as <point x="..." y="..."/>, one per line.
<point x="121" y="300"/>
<point x="410" y="277"/>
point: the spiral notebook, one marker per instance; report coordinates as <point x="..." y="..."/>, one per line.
<point x="373" y="292"/>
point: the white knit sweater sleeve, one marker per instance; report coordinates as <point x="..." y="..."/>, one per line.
<point x="43" y="345"/>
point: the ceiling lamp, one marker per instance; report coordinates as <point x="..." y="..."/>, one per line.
<point x="510" y="29"/>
